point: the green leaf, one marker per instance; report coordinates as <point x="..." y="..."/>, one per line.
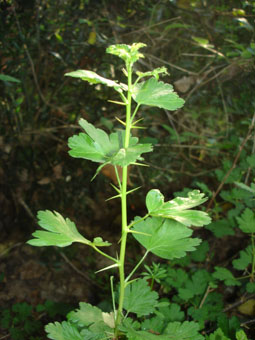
<point x="63" y="331"/>
<point x="245" y="259"/>
<point x="98" y="146"/>
<point x="99" y="242"/>
<point x="210" y="311"/>
<point x="133" y="334"/>
<point x="250" y="287"/>
<point x="157" y="93"/>
<point x="129" y="53"/>
<point x="246" y="187"/>
<point x="217" y="335"/>
<point x="178" y="208"/>
<point x="240" y="335"/>
<point x="61" y="232"/>
<point x="200" y="254"/>
<point x="153" y="325"/>
<point x="225" y="275"/>
<point x="94" y="78"/>
<point x="183" y="331"/>
<point x="196" y="285"/>
<point x="221" y="228"/>
<point x="154" y="73"/>
<point x="139" y="298"/>
<point x="168" y="239"/>
<point x="247" y="221"/>
<point x="172" y="313"/>
<point x="5" y="77"/>
<point x="85" y="315"/>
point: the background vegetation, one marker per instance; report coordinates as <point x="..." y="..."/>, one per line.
<point x="208" y="48"/>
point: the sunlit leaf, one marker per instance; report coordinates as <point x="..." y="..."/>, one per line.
<point x="167" y="238"/>
<point x="61" y="232"/>
<point x="156" y="93"/>
<point x="93" y="78"/>
<point x="85" y="315"/>
<point x="178" y="208"/>
<point x="100" y="147"/>
<point x="129" y="53"/>
<point x="154" y="73"/>
<point x="62" y="331"/>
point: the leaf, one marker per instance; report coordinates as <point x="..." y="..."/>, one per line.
<point x="172" y="313"/>
<point x="93" y="78"/>
<point x="250" y="287"/>
<point x="154" y="73"/>
<point x="85" y="315"/>
<point x="63" y="331"/>
<point x="139" y="298"/>
<point x="10" y="79"/>
<point x="225" y="275"/>
<point x="245" y="259"/>
<point x="246" y="187"/>
<point x="221" y="228"/>
<point x="129" y="53"/>
<point x="218" y="335"/>
<point x="183" y="331"/>
<point x="61" y="232"/>
<point x="168" y="239"/>
<point x="153" y="325"/>
<point x="200" y="254"/>
<point x="133" y="334"/>
<point x="178" y="208"/>
<point x="98" y="146"/>
<point x="196" y="285"/>
<point x="240" y="335"/>
<point x="247" y="221"/>
<point x="157" y="93"/>
<point x="211" y="309"/>
<point x="99" y="242"/>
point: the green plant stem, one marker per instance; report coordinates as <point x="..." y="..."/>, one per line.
<point x="253" y="257"/>
<point x="104" y="254"/>
<point x="125" y="229"/>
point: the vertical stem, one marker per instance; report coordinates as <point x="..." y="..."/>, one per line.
<point x="253" y="257"/>
<point x="124" y="207"/>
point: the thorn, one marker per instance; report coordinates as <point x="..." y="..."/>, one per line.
<point x="119" y="120"/>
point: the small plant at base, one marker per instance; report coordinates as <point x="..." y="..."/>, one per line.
<point x="164" y="231"/>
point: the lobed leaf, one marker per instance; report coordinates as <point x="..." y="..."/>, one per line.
<point x="129" y="53"/>
<point x="218" y="335"/>
<point x="62" y="331"/>
<point x="177" y="208"/>
<point x="183" y="331"/>
<point x="94" y="78"/>
<point x="245" y="259"/>
<point x="154" y="73"/>
<point x="85" y="315"/>
<point x="157" y="93"/>
<point x="61" y="232"/>
<point x="139" y="298"/>
<point x="99" y="147"/>
<point x="225" y="275"/>
<point x="167" y="239"/>
<point x="247" y="221"/>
